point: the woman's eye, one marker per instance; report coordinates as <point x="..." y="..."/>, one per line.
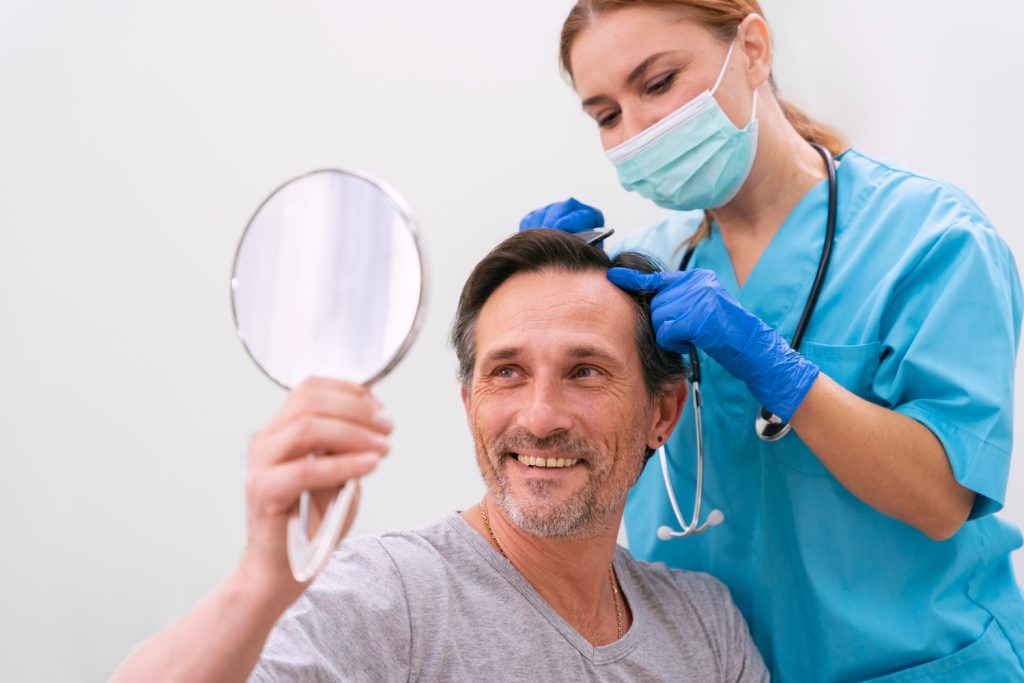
<point x="662" y="84"/>
<point x="607" y="120"/>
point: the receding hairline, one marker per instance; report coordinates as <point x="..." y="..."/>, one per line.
<point x="579" y="350"/>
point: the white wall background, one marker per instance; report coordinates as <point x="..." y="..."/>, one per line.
<point x="136" y="138"/>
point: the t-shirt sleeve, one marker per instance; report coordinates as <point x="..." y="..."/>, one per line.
<point x="739" y="659"/>
<point x="352" y="623"/>
<point x="949" y="339"/>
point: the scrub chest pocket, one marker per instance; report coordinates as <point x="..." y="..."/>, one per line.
<point x="852" y="366"/>
<point x="973" y="664"/>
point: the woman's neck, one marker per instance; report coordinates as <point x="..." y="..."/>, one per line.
<point x="786" y="168"/>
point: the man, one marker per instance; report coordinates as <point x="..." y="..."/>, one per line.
<point x="567" y="394"/>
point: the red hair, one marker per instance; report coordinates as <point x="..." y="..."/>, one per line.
<point x="723" y="18"/>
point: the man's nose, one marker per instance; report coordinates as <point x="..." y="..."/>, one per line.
<point x="545" y="411"/>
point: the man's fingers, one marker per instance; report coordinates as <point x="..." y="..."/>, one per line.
<point x="315" y="434"/>
<point x="278" y="488"/>
<point x="323" y="401"/>
<point x="636" y="281"/>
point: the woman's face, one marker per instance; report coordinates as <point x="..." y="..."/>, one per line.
<point x="633" y="67"/>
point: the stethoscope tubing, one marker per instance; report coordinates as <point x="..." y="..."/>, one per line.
<point x="767" y="426"/>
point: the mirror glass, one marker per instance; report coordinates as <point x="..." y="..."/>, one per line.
<point x="328" y="279"/>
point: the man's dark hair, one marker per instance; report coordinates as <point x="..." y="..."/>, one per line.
<point x="536" y="250"/>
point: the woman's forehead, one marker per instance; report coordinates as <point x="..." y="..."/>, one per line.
<point x="615" y="43"/>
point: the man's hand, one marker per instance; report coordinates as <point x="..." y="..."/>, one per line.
<point x="220" y="639"/>
<point x="345" y="427"/>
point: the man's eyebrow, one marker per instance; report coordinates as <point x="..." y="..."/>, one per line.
<point x="636" y="73"/>
<point x="583" y="351"/>
<point x="501" y="354"/>
<point x="592" y="352"/>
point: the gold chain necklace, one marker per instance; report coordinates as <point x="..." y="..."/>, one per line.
<point x="611" y="573"/>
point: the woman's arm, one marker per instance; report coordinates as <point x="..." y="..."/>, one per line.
<point x="888" y="460"/>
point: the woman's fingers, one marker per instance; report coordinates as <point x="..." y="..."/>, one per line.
<point x="637" y="281"/>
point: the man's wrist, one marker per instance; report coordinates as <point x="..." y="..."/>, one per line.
<point x="261" y="596"/>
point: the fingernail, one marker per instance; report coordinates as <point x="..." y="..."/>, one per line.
<point x="380" y="441"/>
<point x="382" y="422"/>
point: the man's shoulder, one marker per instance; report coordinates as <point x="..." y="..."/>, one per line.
<point x="666" y="584"/>
<point x="408" y="555"/>
<point x="430" y="542"/>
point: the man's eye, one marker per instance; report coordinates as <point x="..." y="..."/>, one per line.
<point x="585" y="372"/>
<point x="505" y="372"/>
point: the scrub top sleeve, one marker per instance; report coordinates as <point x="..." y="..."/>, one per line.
<point x="949" y="332"/>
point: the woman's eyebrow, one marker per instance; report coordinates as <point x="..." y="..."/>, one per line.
<point x="640" y="68"/>
<point x="635" y="74"/>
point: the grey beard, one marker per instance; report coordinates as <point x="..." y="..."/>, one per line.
<point x="581" y="516"/>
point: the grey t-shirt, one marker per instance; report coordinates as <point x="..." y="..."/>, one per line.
<point x="441" y="604"/>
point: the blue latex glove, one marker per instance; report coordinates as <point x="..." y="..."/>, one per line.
<point x="567" y="216"/>
<point x="694" y="307"/>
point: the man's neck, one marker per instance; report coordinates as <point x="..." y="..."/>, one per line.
<point x="570" y="573"/>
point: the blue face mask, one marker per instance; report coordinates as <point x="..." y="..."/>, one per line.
<point x="694" y="158"/>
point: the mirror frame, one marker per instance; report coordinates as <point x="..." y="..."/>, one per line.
<point x="398" y="203"/>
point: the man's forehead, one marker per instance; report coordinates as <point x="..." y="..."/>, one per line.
<point x="579" y="308"/>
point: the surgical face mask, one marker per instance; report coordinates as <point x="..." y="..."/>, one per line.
<point x="694" y="158"/>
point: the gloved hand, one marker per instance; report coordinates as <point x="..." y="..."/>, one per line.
<point x="567" y="216"/>
<point x="693" y="307"/>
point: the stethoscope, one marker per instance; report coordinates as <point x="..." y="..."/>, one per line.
<point x="767" y="426"/>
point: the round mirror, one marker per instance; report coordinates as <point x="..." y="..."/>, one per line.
<point x="327" y="281"/>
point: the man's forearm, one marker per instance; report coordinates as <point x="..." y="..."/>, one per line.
<point x="220" y="639"/>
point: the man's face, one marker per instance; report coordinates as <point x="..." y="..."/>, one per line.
<point x="558" y="406"/>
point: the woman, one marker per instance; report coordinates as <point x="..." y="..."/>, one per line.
<point x="862" y="546"/>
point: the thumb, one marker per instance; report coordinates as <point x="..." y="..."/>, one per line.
<point x="637" y="281"/>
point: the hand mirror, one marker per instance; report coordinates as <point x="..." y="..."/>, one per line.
<point x="327" y="281"/>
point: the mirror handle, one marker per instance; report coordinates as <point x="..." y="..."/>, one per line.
<point x="306" y="555"/>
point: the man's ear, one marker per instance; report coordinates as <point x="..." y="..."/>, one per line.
<point x="667" y="409"/>
<point x="465" y="397"/>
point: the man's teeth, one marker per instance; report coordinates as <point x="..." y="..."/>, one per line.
<point x="531" y="461"/>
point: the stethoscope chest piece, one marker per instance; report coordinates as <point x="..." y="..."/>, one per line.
<point x="770" y="427"/>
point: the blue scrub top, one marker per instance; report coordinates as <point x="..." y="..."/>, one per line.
<point x="920" y="313"/>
